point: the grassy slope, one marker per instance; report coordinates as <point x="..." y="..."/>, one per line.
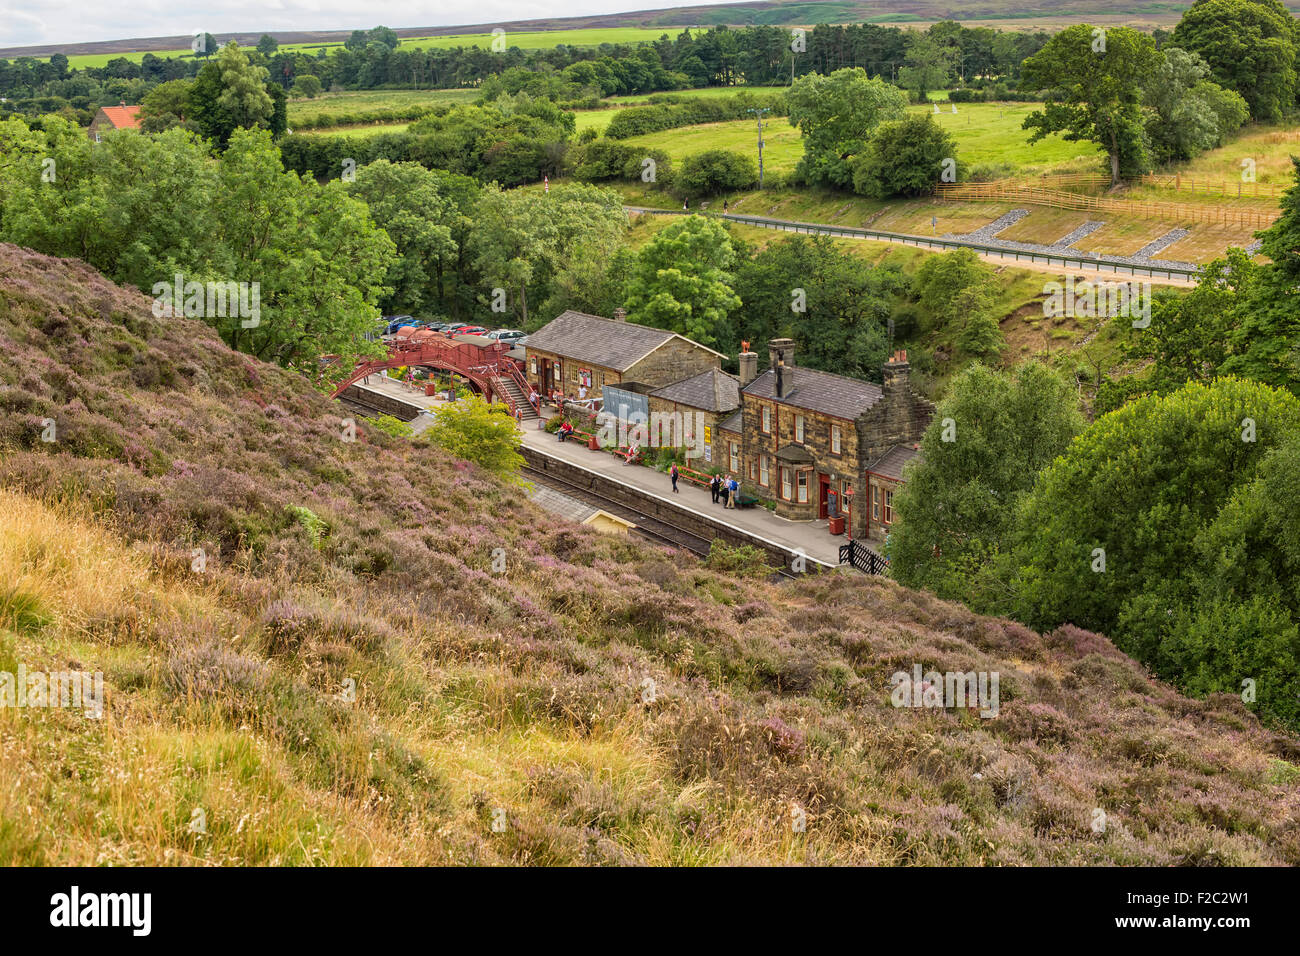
<point x="478" y="692"/>
<point x="992" y="133"/>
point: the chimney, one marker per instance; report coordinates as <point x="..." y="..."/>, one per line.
<point x="620" y="314"/>
<point x="897" y="373"/>
<point x="780" y="358"/>
<point x="748" y="367"/>
<point x="121" y="102"/>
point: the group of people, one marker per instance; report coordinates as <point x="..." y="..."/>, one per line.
<point x="564" y="431"/>
<point x="725" y="489"/>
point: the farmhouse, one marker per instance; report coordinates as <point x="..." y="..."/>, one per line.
<point x="576" y="355"/>
<point x="114" y="117"/>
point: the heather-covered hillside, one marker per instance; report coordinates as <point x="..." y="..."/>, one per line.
<point x="506" y="718"/>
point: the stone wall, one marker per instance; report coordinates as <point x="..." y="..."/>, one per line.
<point x="900" y="417"/>
<point x="673" y="361"/>
<point x="663" y="510"/>
<point x="702" y="425"/>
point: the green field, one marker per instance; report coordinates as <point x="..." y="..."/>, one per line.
<point x="985" y="133"/>
<point x="538" y="40"/>
<point x="593" y="119"/>
<point x="334" y="104"/>
<point x="372" y="130"/>
<point x="993" y="133"/>
<point x="706" y="91"/>
<point x="781" y="151"/>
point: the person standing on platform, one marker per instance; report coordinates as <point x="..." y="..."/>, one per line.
<point x="725" y="490"/>
<point x="714" y="486"/>
<point x="734" y="487"/>
<point x="672" y="473"/>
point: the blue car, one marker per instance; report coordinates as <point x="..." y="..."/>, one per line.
<point x="395" y="322"/>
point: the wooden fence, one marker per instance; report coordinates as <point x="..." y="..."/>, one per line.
<point x="1237" y="190"/>
<point x="1009" y="191"/>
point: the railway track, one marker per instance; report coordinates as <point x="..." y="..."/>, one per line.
<point x="366" y="409"/>
<point x="655" y="529"/>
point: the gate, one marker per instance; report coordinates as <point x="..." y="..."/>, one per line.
<point x="858" y="555"/>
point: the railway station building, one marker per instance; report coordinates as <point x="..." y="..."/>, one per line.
<point x="576" y="355"/>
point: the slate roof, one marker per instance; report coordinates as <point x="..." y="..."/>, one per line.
<point x="599" y="341"/>
<point x="890" y="464"/>
<point x="734" y="422"/>
<point x="711" y="391"/>
<point x="824" y="392"/>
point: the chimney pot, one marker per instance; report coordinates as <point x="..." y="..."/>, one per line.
<point x="620" y="315"/>
<point x="748" y="366"/>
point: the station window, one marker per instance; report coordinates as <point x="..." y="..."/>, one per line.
<point x="803" y="487"/>
<point x="889" y="507"/>
<point x="763" y="476"/>
<point x="767" y="419"/>
<point x="734" y="450"/>
<point x="785" y="484"/>
<point x="835" y="439"/>
<point x="875" y="502"/>
<point x="798" y="429"/>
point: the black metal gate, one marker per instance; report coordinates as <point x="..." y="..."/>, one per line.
<point x="858" y="555"/>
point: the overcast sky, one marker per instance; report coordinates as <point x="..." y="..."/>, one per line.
<point x="33" y="22"/>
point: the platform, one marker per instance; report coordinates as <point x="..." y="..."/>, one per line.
<point x="813" y="537"/>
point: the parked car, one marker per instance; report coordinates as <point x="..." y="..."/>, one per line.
<point x="470" y="330"/>
<point x="395" y="322"/>
<point x="505" y="335"/>
<point x="453" y="328"/>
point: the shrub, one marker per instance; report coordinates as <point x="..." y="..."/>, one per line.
<point x="713" y="172"/>
<point x="905" y="157"/>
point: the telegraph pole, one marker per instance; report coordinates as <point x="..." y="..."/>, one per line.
<point x="758" y="115"/>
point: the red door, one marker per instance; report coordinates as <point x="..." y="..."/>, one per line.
<point x="823" y="484"/>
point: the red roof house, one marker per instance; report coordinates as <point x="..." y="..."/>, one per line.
<point x="114" y="117"/>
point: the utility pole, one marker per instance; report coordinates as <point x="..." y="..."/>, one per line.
<point x="758" y="115"/>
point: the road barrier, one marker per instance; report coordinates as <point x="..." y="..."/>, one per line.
<point x="1099" y="263"/>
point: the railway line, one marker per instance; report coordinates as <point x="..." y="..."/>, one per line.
<point x="654" y="529"/>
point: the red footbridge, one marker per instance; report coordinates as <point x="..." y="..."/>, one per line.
<point x="484" y="363"/>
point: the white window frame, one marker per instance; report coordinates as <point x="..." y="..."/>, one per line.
<point x="733" y="455"/>
<point x="801" y="486"/>
<point x="798" y="429"/>
<point x="787" y="483"/>
<point x="836" y="440"/>
<point x="766" y="422"/>
<point x="764" y="471"/>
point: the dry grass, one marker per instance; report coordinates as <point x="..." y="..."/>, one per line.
<point x="516" y="700"/>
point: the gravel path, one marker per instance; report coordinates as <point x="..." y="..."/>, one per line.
<point x="986" y="233"/>
<point x="987" y="236"/>
<point x="1087" y="229"/>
